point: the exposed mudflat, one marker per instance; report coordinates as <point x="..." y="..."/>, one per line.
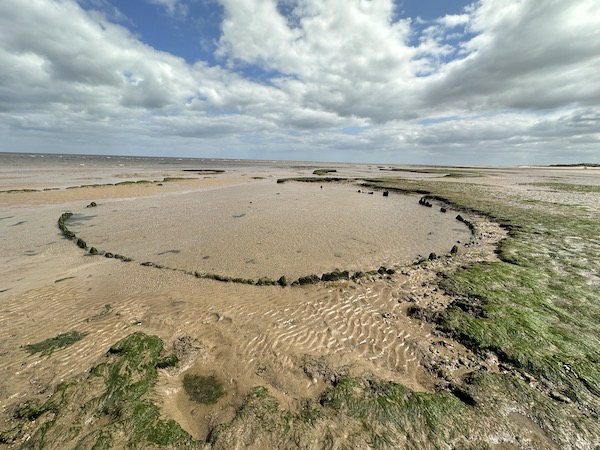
<point x="293" y="340"/>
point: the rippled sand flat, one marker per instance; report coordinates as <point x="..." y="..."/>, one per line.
<point x="238" y="223"/>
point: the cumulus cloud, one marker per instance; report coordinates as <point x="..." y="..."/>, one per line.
<point x="345" y="56"/>
<point x="508" y="76"/>
<point x="88" y="63"/>
<point x="453" y="20"/>
<point x="525" y="55"/>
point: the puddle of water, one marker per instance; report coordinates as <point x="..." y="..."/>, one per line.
<point x="272" y="230"/>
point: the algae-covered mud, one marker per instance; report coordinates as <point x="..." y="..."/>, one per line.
<point x="480" y="331"/>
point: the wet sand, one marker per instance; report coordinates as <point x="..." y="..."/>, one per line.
<point x="247" y="335"/>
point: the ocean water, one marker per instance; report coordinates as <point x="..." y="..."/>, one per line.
<point x="22" y="170"/>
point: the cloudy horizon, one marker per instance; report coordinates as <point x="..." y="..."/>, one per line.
<point x="491" y="82"/>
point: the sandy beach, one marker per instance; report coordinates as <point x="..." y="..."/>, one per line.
<point x="237" y="223"/>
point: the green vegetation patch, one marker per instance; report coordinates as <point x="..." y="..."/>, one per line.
<point x="567" y="187"/>
<point x="167" y="179"/>
<point x="53" y="344"/>
<point x="323" y="171"/>
<point x="204" y="171"/>
<point x="312" y="179"/>
<point x="201" y="389"/>
<point x="450" y="172"/>
<point x="105" y="311"/>
<point x="128" y="183"/>
<point x="536" y="308"/>
<point x="18" y="191"/>
<point x="354" y="413"/>
<point x="110" y="407"/>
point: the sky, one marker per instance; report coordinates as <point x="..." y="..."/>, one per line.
<point x="458" y="82"/>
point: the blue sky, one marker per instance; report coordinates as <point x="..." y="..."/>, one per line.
<point x="379" y="81"/>
<point x="193" y="31"/>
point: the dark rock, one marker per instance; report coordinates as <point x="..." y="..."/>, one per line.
<point x="264" y="281"/>
<point x="93" y="251"/>
<point x="386" y="193"/>
<point x="217" y="277"/>
<point x="432" y="256"/>
<point x="150" y="264"/>
<point x="473" y="305"/>
<point x="357" y="275"/>
<point x="424" y="314"/>
<point x="424" y="202"/>
<point x="108" y="255"/>
<point x="335" y="276"/>
<point x="454" y="250"/>
<point x="460" y="218"/>
<point x="310" y="279"/>
<point x="282" y="281"/>
<point x="92" y="205"/>
<point x="463" y="395"/>
<point x="81" y="243"/>
<point x="443" y="210"/>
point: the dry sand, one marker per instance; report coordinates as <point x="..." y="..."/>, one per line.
<point x="246" y="335"/>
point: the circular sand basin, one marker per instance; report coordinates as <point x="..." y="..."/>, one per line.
<point x="256" y="230"/>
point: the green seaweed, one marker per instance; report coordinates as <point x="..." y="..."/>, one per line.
<point x="540" y="309"/>
<point x="118" y="393"/>
<point x="323" y="171"/>
<point x="568" y="187"/>
<point x="203" y="389"/>
<point x="49" y="346"/>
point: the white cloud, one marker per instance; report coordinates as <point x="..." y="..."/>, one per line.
<point x="525" y="55"/>
<point x="349" y="56"/>
<point x="454" y="20"/>
<point x="522" y="79"/>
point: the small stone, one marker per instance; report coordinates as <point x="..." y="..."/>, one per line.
<point x="560" y="397"/>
